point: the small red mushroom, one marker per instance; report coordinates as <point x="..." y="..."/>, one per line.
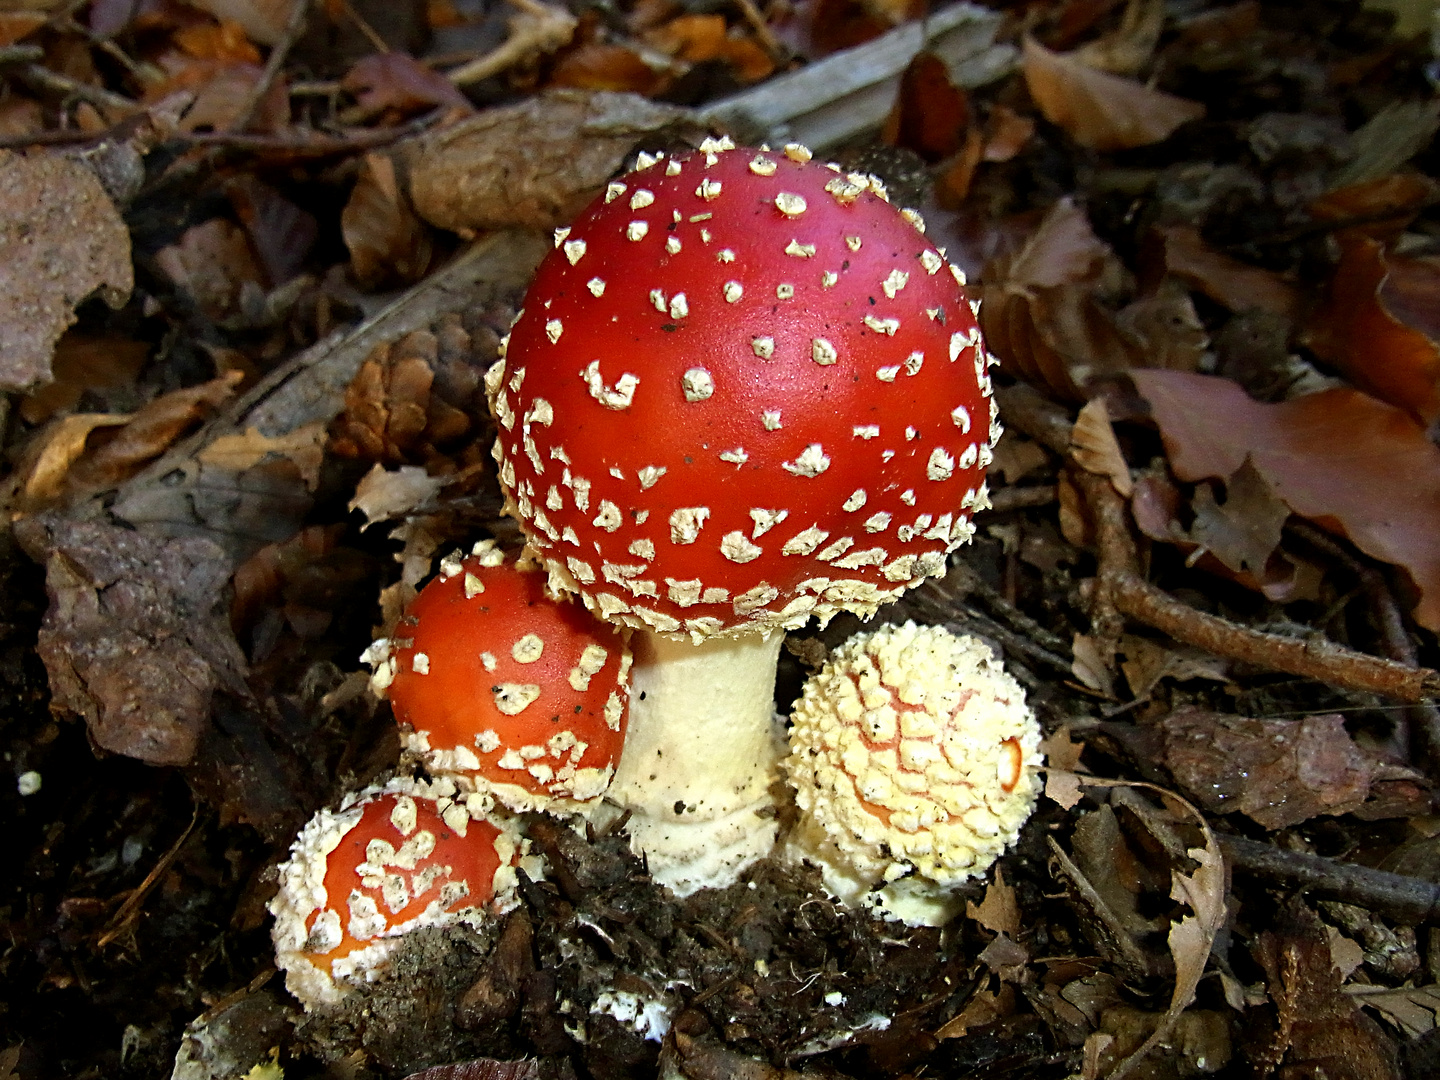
<point x="744" y="390"/>
<point x="392" y="859"/>
<point x="507" y="690"/>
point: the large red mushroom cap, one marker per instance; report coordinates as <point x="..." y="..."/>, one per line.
<point x="744" y="389"/>
<point x="506" y="689"/>
<point x="391" y="860"/>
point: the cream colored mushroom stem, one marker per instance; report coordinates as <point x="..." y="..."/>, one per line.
<point x="702" y="749"/>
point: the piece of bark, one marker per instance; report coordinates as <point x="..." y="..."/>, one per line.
<point x="851" y="92"/>
<point x="137" y="636"/>
<point x="61" y="239"/>
<point x="535" y="164"/>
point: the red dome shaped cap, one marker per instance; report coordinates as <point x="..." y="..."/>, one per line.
<point x="507" y="689"/>
<point x="391" y="860"/>
<point x="744" y="389"/>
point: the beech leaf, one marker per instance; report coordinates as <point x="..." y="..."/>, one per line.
<point x="1097" y="109"/>
<point x="1332" y="457"/>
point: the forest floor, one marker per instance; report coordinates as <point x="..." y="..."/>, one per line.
<point x="255" y="255"/>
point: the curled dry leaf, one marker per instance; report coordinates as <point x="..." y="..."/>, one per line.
<point x="149" y="433"/>
<point x="1127" y="49"/>
<point x="1097" y="109"/>
<point x="1332" y="457"/>
<point x="61" y="239"/>
<point x="44" y="467"/>
<point x="388" y="244"/>
<point x="1095" y="449"/>
<point x="1380" y="325"/>
<point x="533" y="165"/>
<point x="1041" y="313"/>
<point x="1276" y="772"/>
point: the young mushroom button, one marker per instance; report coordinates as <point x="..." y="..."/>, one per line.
<point x="915" y="762"/>
<point x="507" y="691"/>
<point x="774" y="404"/>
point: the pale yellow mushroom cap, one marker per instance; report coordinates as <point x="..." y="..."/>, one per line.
<point x="915" y="763"/>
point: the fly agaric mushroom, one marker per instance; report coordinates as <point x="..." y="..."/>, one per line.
<point x="743" y="390"/>
<point x="505" y="689"/>
<point x="392" y="859"/>
<point x="915" y="762"/>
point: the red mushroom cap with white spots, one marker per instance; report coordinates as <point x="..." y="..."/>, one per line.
<point x="507" y="689"/>
<point x="744" y="389"/>
<point x="392" y="859"/>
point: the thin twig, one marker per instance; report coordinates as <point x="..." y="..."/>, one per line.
<point x="1397" y="896"/>
<point x="42" y="77"/>
<point x="294" y="28"/>
<point x="1005" y="499"/>
<point x="537" y="28"/>
<point x="1399" y="645"/>
<point x="131" y="907"/>
<point x="1316" y="658"/>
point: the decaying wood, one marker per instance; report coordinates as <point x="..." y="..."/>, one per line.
<point x="850" y="92"/>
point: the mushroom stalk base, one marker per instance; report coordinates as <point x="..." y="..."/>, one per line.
<point x="702" y="749"/>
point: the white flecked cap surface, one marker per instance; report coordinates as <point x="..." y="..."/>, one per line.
<point x="915" y="763"/>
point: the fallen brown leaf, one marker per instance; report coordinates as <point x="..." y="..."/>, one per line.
<point x="281" y="234"/>
<point x="45" y="465"/>
<point x="1332" y="457"/>
<point x="263" y="20"/>
<point x="930" y="113"/>
<point x="1128" y="48"/>
<point x="382" y="495"/>
<point x="1042" y="313"/>
<point x="1099" y="110"/>
<point x="1380" y="325"/>
<point x="1227" y="281"/>
<point x="1243" y="531"/>
<point x="389" y="245"/>
<point x="998" y="911"/>
<point x="61" y="239"/>
<point x="211" y="263"/>
<point x="82" y="362"/>
<point x="305" y="446"/>
<point x="149" y="433"/>
<point x="1381" y="208"/>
